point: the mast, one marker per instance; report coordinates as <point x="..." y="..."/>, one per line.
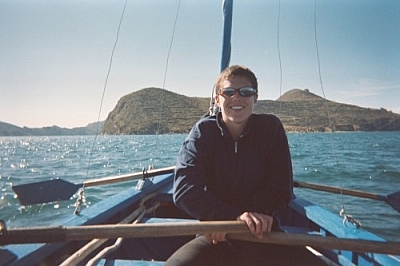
<point x="227" y="10"/>
<point x="227" y="6"/>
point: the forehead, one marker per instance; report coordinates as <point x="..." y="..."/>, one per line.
<point x="235" y="81"/>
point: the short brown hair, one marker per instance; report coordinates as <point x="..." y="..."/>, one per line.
<point x="236" y="71"/>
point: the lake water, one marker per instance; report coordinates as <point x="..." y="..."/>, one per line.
<point x="364" y="161"/>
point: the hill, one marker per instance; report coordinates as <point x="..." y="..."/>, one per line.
<point x="305" y="111"/>
<point x="154" y="111"/>
<point x="7" y="129"/>
<point x="157" y="111"/>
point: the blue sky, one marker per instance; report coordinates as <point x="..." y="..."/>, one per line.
<point x="55" y="54"/>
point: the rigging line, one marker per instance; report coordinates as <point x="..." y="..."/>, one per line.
<point x="167" y="63"/>
<point x="326" y="100"/>
<point x="279" y="56"/>
<point x="104" y="88"/>
<point x="319" y="66"/>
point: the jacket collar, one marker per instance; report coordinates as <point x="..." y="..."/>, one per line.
<point x="224" y="130"/>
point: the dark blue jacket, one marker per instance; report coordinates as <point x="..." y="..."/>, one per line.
<point x="217" y="178"/>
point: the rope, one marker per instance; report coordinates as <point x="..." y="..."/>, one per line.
<point x="78" y="204"/>
<point x="86" y="250"/>
<point x="348" y="218"/>
<point x="342" y="212"/>
<point x="166" y="65"/>
<point x="279" y="57"/>
<point x="79" y="201"/>
<point x="118" y="242"/>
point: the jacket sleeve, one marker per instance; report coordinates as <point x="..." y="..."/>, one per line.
<point x="190" y="192"/>
<point x="277" y="189"/>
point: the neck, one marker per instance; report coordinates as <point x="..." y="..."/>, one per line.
<point x="235" y="130"/>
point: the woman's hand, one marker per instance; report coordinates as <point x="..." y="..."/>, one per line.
<point x="258" y="223"/>
<point x="216" y="237"/>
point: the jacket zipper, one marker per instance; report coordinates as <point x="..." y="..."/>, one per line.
<point x="237" y="143"/>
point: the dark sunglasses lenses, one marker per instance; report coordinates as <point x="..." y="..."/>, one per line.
<point x="244" y="91"/>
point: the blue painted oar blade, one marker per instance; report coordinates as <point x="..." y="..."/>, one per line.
<point x="394" y="200"/>
<point x="45" y="191"/>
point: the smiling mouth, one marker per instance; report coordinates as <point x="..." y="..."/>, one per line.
<point x="236" y="107"/>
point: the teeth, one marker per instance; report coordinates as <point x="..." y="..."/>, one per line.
<point x="237" y="107"/>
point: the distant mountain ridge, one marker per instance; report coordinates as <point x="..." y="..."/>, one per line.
<point x="7" y="129"/>
<point x="158" y="111"/>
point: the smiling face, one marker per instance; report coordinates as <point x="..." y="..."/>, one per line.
<point x="236" y="109"/>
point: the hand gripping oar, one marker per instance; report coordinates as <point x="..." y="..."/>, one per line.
<point x="59" y="189"/>
<point x="392" y="199"/>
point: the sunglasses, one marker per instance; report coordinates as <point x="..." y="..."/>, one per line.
<point x="243" y="91"/>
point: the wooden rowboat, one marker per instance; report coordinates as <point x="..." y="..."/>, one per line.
<point x="142" y="226"/>
<point x="148" y="228"/>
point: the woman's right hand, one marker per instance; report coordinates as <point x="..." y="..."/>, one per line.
<point x="258" y="223"/>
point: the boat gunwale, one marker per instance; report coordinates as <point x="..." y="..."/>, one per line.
<point x="26" y="253"/>
<point x="316" y="217"/>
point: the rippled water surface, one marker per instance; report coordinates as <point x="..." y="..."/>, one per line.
<point x="364" y="161"/>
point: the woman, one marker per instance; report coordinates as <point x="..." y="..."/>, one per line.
<point x="235" y="165"/>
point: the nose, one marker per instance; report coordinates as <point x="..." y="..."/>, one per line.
<point x="236" y="95"/>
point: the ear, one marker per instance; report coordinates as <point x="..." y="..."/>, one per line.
<point x="216" y="100"/>
<point x="255" y="98"/>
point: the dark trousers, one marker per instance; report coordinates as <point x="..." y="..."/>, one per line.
<point x="201" y="251"/>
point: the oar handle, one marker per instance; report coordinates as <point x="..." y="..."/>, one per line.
<point x="235" y="229"/>
<point x="336" y="190"/>
<point x="49" y="234"/>
<point x="126" y="177"/>
<point x="328" y="242"/>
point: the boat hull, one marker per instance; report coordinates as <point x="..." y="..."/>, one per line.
<point x="300" y="217"/>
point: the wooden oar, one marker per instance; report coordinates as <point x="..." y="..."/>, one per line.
<point x="59" y="189"/>
<point x="392" y="199"/>
<point x="235" y="229"/>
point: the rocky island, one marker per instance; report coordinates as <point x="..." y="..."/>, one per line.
<point x="157" y="111"/>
